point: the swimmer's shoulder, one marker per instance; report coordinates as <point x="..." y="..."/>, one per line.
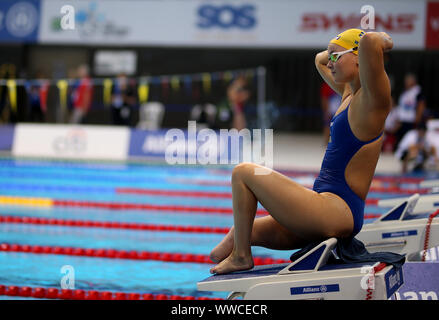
<point x="366" y="121"/>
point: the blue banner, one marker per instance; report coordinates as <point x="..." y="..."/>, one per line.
<point x="6" y="137"/>
<point x="147" y="143"/>
<point x="421" y="281"/>
<point x="184" y="146"/>
<point x="19" y="20"/>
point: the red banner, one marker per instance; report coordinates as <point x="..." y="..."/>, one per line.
<point x="432" y="29"/>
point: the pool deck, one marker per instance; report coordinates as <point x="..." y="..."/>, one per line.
<point x="306" y="151"/>
<point x="295" y="151"/>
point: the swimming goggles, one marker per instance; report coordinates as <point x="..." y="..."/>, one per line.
<point x="333" y="57"/>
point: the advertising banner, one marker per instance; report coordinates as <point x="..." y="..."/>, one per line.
<point x="19" y="20"/>
<point x="432" y="21"/>
<point x="181" y="146"/>
<point x="6" y="137"/>
<point x="240" y="23"/>
<point x="70" y="141"/>
<point x="420" y="281"/>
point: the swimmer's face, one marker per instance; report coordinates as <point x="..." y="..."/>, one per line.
<point x="345" y="69"/>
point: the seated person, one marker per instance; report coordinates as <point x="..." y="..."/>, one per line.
<point x="416" y="148"/>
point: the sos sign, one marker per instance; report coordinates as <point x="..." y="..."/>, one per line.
<point x="226" y="17"/>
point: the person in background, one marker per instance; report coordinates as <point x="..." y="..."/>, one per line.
<point x="123" y="100"/>
<point x="204" y="115"/>
<point x="416" y="148"/>
<point x="411" y="107"/>
<point x="35" y="110"/>
<point x="330" y="101"/>
<point x="81" y="95"/>
<point x="391" y="126"/>
<point x="231" y="113"/>
<point x="37" y="96"/>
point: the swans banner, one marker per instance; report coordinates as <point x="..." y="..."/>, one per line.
<point x="240" y="23"/>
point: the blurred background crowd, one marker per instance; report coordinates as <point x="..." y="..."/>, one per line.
<point x="102" y="77"/>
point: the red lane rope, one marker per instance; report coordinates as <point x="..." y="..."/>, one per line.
<point x="123" y="254"/>
<point x="174" y="193"/>
<point x="376" y="269"/>
<point x="152" y="207"/>
<point x="110" y="224"/>
<point x="371" y="201"/>
<point x="140" y="206"/>
<point x="121" y="225"/>
<point x="228" y="195"/>
<point x="398" y="190"/>
<point x="427" y="233"/>
<point x="371" y="215"/>
<point x="68" y="294"/>
<point x="298" y="173"/>
<point x="410" y="180"/>
<point x="201" y="182"/>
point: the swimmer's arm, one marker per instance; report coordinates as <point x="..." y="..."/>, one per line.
<point x="373" y="77"/>
<point x="321" y="61"/>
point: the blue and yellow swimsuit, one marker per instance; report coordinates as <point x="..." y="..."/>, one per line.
<point x="342" y="146"/>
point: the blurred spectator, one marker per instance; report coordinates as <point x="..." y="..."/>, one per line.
<point x="391" y="126"/>
<point x="204" y="115"/>
<point x="151" y="116"/>
<point x="81" y="95"/>
<point x="330" y="101"/>
<point x="416" y="148"/>
<point x="35" y="110"/>
<point x="231" y="113"/>
<point x="123" y="101"/>
<point x="37" y="95"/>
<point x="72" y="74"/>
<point x="411" y="107"/>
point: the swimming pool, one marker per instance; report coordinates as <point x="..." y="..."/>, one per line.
<point x="143" y="229"/>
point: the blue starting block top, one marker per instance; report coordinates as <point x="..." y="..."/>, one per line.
<point x="257" y="271"/>
<point x="273" y="269"/>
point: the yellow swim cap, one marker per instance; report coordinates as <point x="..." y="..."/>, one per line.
<point x="349" y="39"/>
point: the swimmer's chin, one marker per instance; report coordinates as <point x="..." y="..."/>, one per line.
<point x="336" y="80"/>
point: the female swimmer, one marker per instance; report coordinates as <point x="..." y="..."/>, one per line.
<point x="353" y="66"/>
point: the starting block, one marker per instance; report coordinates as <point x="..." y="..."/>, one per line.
<point x="401" y="230"/>
<point x="310" y="277"/>
<point x="425" y="203"/>
<point x="429" y="183"/>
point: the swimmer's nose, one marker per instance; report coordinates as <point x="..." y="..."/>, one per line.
<point x="330" y="64"/>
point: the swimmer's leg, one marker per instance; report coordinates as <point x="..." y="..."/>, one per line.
<point x="303" y="212"/>
<point x="244" y="211"/>
<point x="266" y="232"/>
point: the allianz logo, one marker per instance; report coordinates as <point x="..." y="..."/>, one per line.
<point x="315" y="289"/>
<point x="394" y="280"/>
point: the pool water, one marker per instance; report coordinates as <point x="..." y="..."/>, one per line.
<point x="99" y="182"/>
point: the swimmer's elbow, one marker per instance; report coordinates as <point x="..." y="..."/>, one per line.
<point x="321" y="59"/>
<point x="375" y="41"/>
<point x="369" y="44"/>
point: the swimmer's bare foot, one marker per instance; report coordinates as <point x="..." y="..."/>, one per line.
<point x="233" y="263"/>
<point x="224" y="248"/>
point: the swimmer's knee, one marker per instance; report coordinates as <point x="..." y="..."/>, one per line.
<point x="242" y="169"/>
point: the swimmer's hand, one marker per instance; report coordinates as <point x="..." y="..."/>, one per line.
<point x="387" y="41"/>
<point x="383" y="38"/>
